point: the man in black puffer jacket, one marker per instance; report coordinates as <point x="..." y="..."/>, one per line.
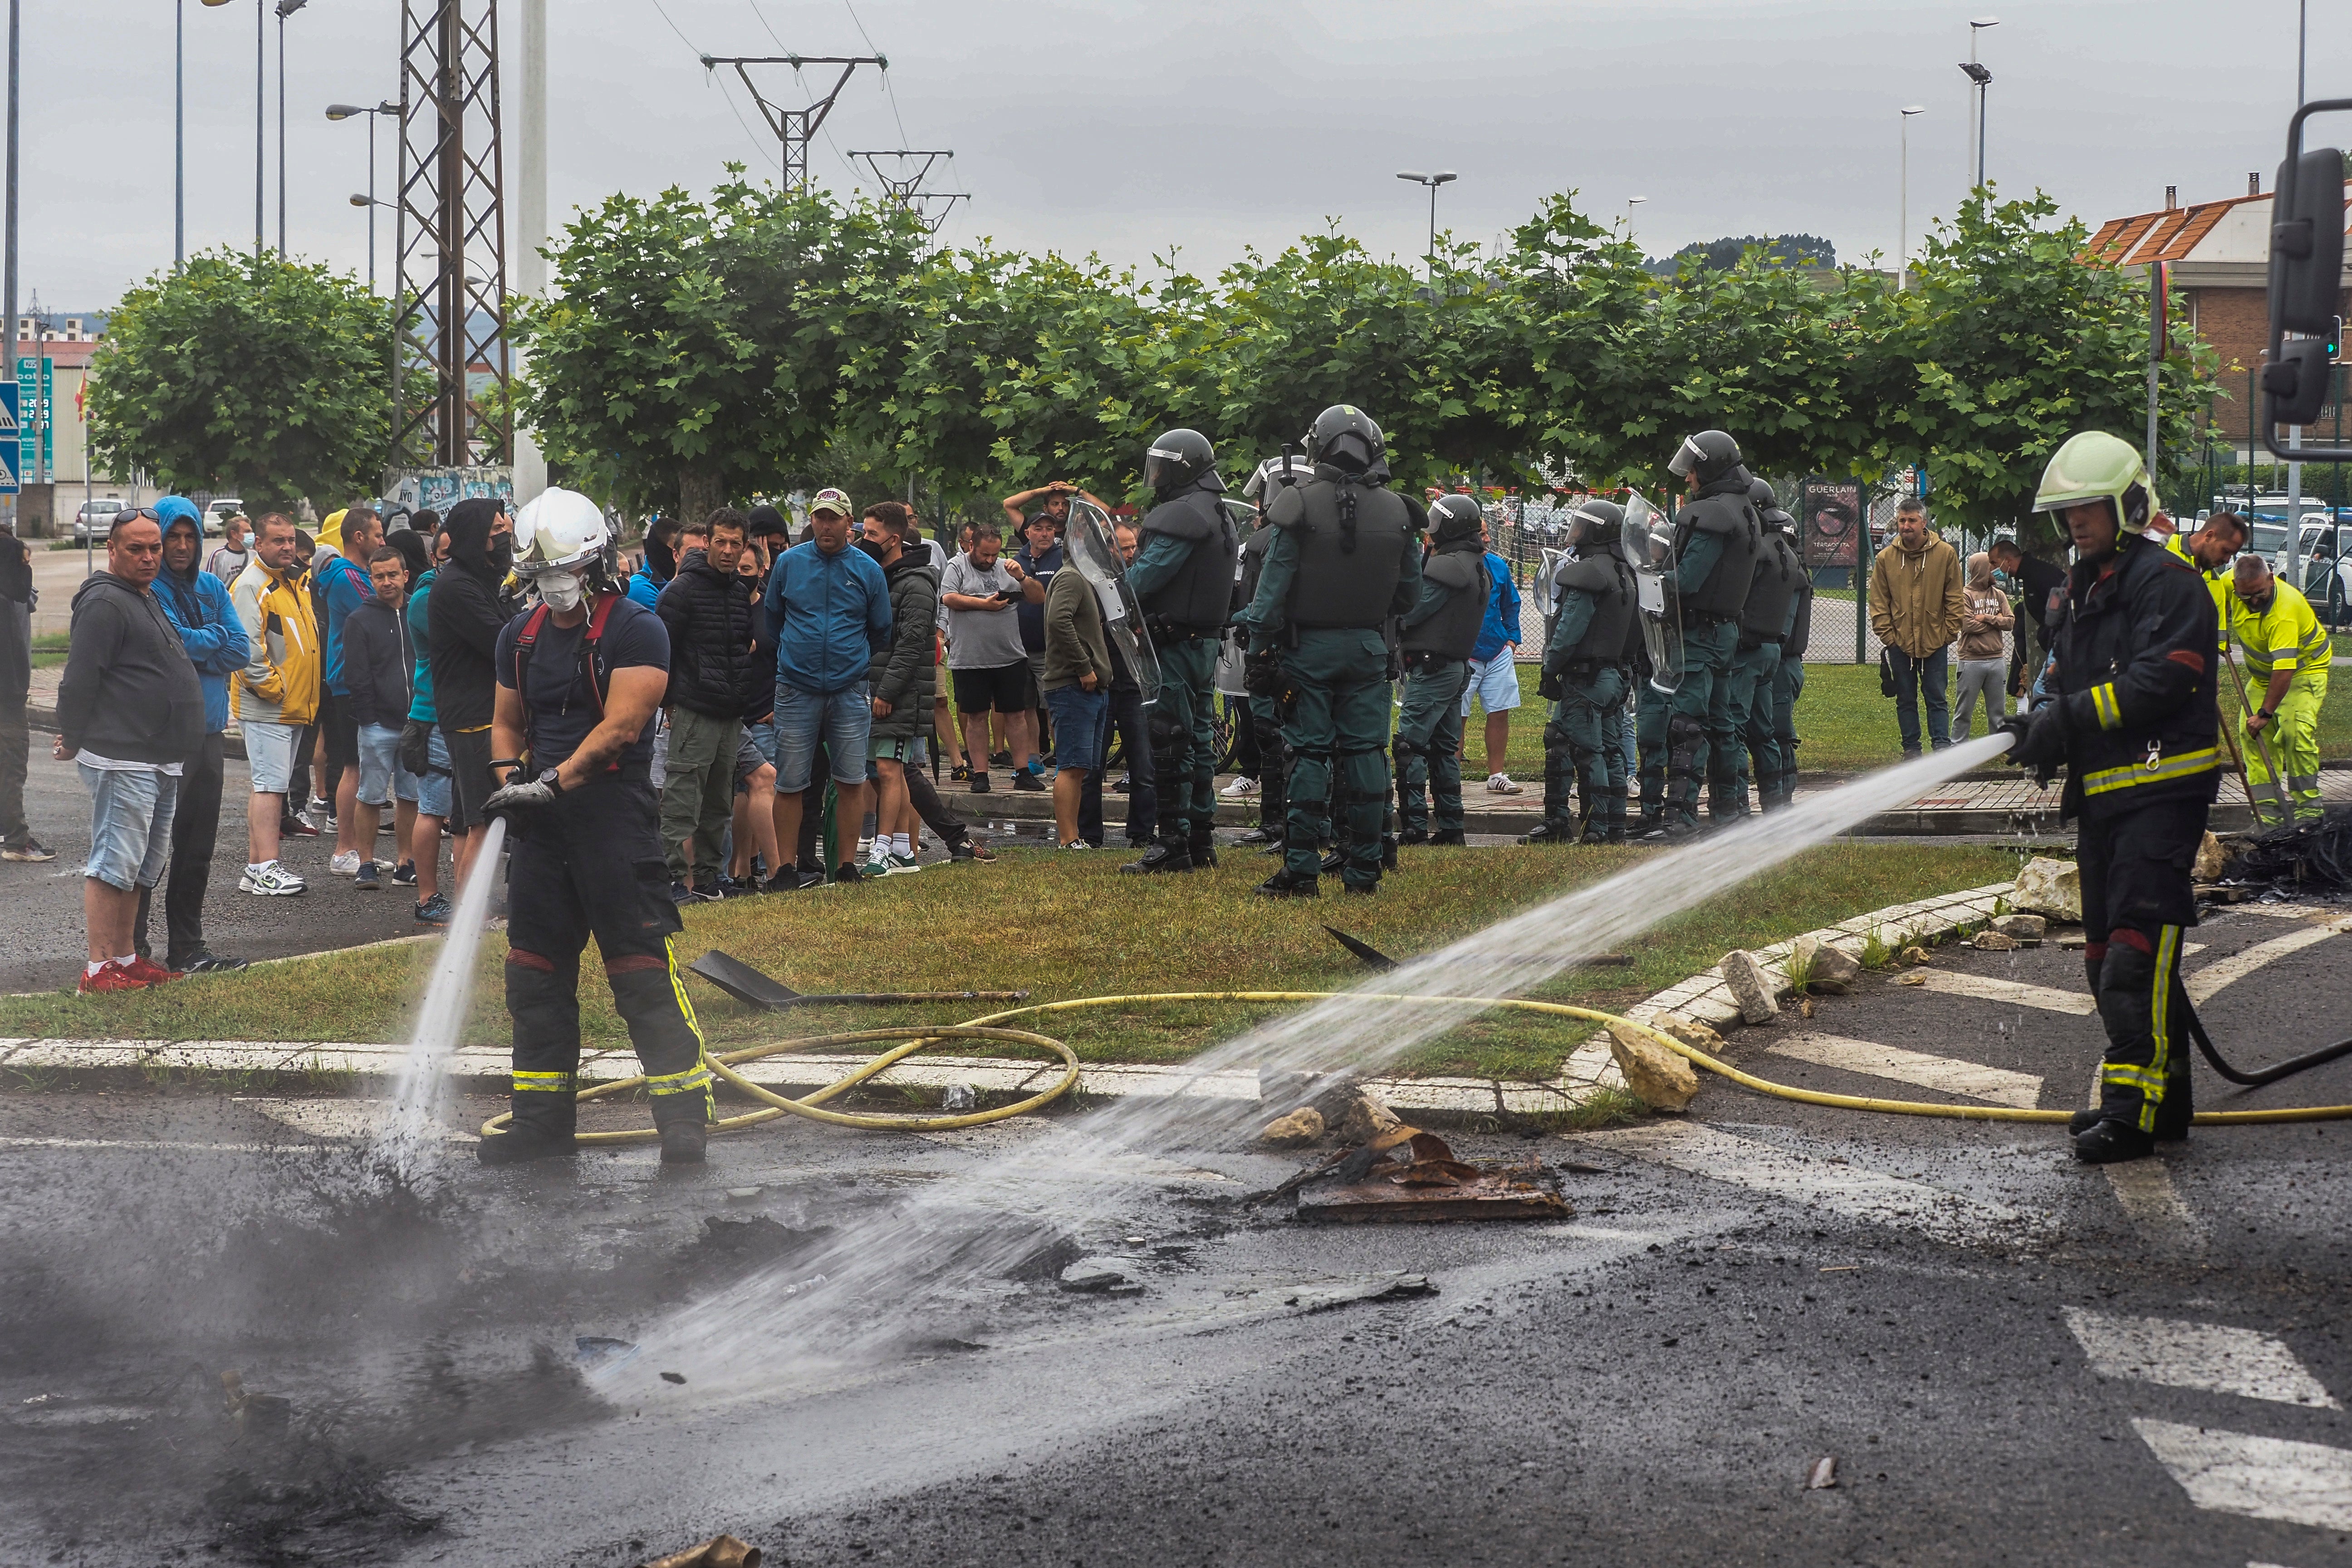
<point x="899" y="680"/>
<point x="712" y="679"/>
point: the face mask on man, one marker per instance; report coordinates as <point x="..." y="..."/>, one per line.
<point x="870" y="547"/>
<point x="559" y="590"/>
<point x="501" y="552"/>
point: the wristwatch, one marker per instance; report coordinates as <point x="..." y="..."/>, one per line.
<point x="2267" y="714"/>
<point x="554" y="786"/>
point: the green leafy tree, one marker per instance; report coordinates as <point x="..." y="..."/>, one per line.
<point x="246" y="374"/>
<point x="694" y="353"/>
<point x="2014" y="342"/>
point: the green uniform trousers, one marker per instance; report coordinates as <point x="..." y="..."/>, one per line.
<point x="1336" y="727"/>
<point x="1751" y="704"/>
<point x="1788" y="685"/>
<point x="1585" y="739"/>
<point x="1184" y="742"/>
<point x="1428" y="745"/>
<point x="1651" y="709"/>
<point x="1698" y="722"/>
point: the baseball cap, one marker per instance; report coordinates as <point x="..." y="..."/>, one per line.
<point x="832" y="501"/>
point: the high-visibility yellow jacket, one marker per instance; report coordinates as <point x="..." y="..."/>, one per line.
<point x="2284" y="634"/>
<point x="2216" y="582"/>
<point x="279" y="682"/>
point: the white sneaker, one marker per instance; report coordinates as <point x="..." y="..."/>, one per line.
<point x="875" y="865"/>
<point x="1240" y="789"/>
<point x="347" y="863"/>
<point x="271" y="882"/>
<point x="1500" y="784"/>
<point x="1077" y="844"/>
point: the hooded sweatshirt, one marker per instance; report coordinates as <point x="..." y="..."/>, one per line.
<point x="467" y="616"/>
<point x="129" y="694"/>
<point x="342" y="587"/>
<point x="1987" y="610"/>
<point x="279" y="682"/>
<point x="197" y="605"/>
<point x="1915" y="600"/>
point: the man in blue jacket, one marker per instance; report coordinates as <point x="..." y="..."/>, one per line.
<point x="197" y="604"/>
<point x="346" y="540"/>
<point x="829" y="606"/>
<point x="1494" y="675"/>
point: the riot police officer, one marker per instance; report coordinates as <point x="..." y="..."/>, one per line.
<point x="1764" y="620"/>
<point x="1586" y="664"/>
<point x="1717" y="536"/>
<point x="1778" y="789"/>
<point x="1345" y="561"/>
<point x="2136" y="725"/>
<point x="1438" y="635"/>
<point x="1184" y="574"/>
<point x="579" y="678"/>
<point x="1272" y="477"/>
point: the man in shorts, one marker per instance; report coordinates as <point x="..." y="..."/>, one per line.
<point x="1494" y="677"/>
<point x="986" y="660"/>
<point x="276" y="694"/>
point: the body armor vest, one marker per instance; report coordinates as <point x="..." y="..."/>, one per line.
<point x="1609" y="584"/>
<point x="1452" y="632"/>
<point x="1347" y="578"/>
<point x="1730" y="516"/>
<point x="1771" y="591"/>
<point x="1199" y="597"/>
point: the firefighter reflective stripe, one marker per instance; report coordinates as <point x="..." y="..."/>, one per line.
<point x="697" y="1077"/>
<point x="2286" y="636"/>
<point x="544" y="1083"/>
<point x="2149" y="1081"/>
<point x="2160" y="769"/>
<point x="2102" y="702"/>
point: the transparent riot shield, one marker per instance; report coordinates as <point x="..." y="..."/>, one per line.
<point x="1090" y="547"/>
<point x="1547" y="589"/>
<point x="1648" y="543"/>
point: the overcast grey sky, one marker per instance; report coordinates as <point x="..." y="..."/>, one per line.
<point x="1212" y="125"/>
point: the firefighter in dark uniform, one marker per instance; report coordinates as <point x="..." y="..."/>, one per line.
<point x="1764" y="621"/>
<point x="1438" y="635"/>
<point x="1717" y="536"/>
<point x="579" y="680"/>
<point x="1345" y="561"/>
<point x="1777" y="790"/>
<point x="2137" y="726"/>
<point x="1586" y="666"/>
<point x="1272" y="477"/>
<point x="1182" y="575"/>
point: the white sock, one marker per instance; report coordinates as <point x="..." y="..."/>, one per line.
<point x="866" y="849"/>
<point x="127" y="960"/>
<point x="93" y="966"/>
<point x="902" y="843"/>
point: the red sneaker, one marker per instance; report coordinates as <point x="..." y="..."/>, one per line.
<point x="110" y="976"/>
<point x="150" y="972"/>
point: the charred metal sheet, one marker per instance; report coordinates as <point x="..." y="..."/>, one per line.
<point x="1421" y="1180"/>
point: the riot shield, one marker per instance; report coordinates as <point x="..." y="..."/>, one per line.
<point x="1648" y="544"/>
<point x="1547" y="589"/>
<point x="1090" y="547"/>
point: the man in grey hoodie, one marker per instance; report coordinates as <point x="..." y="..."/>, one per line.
<point x="130" y="711"/>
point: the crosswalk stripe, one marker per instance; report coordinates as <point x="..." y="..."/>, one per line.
<point x="1853" y="1191"/>
<point x="2261" y="1478"/>
<point x="2145" y="1190"/>
<point x="2009" y="993"/>
<point x="2213" y="1357"/>
<point x="1998" y="1085"/>
<point x="2224" y="971"/>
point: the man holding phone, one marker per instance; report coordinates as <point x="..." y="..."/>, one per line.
<point x="985" y="657"/>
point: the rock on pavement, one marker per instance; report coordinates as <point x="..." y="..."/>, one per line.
<point x="1663" y="1080"/>
<point x="2047" y="886"/>
<point x="1749" y="986"/>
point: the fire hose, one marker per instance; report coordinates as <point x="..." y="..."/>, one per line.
<point x="914" y="1038"/>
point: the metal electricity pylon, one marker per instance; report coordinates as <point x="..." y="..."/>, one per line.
<point x="795" y="127"/>
<point x="905" y="189"/>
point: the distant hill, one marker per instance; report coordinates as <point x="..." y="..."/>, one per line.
<point x="1721" y="255"/>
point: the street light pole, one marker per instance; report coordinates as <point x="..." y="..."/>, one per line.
<point x="8" y="281"/>
<point x="285" y="8"/>
<point x="260" y="138"/>
<point x="179" y="132"/>
<point x="1903" y="236"/>
<point x="1432" y="181"/>
<point x="1630" y="203"/>
<point x="1983" y="79"/>
<point x="345" y="111"/>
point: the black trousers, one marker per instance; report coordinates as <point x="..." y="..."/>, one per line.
<point x="591" y="864"/>
<point x="1130" y="721"/>
<point x="16" y="740"/>
<point x="2137" y="901"/>
<point x="196" y="833"/>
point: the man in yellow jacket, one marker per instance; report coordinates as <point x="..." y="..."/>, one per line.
<point x="276" y="694"/>
<point x="2285" y="649"/>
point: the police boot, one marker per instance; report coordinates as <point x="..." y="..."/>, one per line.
<point x="1261" y="834"/>
<point x="1550" y="832"/>
<point x="1387" y="852"/>
<point x="1648" y="825"/>
<point x="1334" y="862"/>
<point x="1595" y="831"/>
<point x="1282" y="886"/>
<point x="1450" y="838"/>
<point x="1413" y="835"/>
<point x="1164" y="856"/>
<point x="1203" y="848"/>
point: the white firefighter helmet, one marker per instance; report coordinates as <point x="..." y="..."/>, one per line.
<point x="562" y="530"/>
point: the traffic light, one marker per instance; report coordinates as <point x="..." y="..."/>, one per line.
<point x="2307" y="271"/>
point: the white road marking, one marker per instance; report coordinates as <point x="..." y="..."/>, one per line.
<point x="161" y="1145"/>
<point x="2145" y="1189"/>
<point x="1998" y="1085"/>
<point x="2227" y="970"/>
<point x="2011" y="993"/>
<point x="2261" y="1478"/>
<point x="1850" y="1190"/>
<point x="340" y="1118"/>
<point x="2282" y="912"/>
<point x="2209" y="1356"/>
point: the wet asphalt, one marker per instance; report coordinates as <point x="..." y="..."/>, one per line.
<point x="1741" y="1293"/>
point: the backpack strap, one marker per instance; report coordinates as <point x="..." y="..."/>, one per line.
<point x="591" y="657"/>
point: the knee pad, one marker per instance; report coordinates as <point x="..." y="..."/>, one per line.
<point x="1555" y="736"/>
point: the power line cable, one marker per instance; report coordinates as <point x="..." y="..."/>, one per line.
<point x="889" y="91"/>
<point x="710" y="81"/>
